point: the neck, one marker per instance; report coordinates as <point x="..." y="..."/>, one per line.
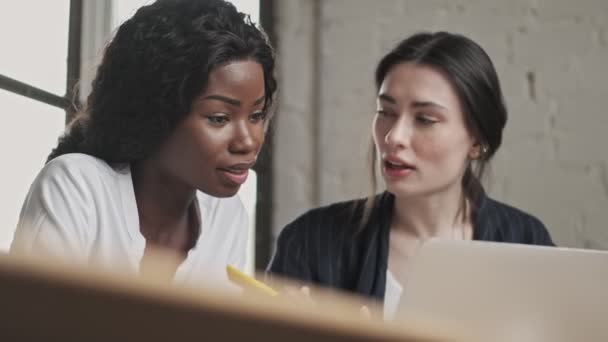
<point x="162" y="202"/>
<point x="428" y="216"/>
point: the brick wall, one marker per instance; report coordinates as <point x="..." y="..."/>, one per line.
<point x="551" y="57"/>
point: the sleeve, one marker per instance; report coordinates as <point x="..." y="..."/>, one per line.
<point x="55" y="215"/>
<point x="290" y="258"/>
<point x="540" y="234"/>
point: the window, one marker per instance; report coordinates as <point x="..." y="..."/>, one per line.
<point x="34" y="35"/>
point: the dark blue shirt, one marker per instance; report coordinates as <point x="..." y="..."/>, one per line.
<point x="327" y="246"/>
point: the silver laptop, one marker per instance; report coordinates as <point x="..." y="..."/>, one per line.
<point x="510" y="292"/>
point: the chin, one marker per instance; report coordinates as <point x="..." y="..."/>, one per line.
<point x="221" y="193"/>
<point x="402" y="190"/>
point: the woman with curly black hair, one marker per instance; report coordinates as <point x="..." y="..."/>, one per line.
<point x="176" y="118"/>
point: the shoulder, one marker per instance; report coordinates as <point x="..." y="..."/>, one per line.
<point x="506" y="214"/>
<point x="333" y="219"/>
<point x="61" y="207"/>
<point x="76" y="166"/>
<point x="513" y="224"/>
<point x="72" y="175"/>
<point x="78" y="161"/>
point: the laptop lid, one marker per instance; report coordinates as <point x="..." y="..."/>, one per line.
<point x="511" y="292"/>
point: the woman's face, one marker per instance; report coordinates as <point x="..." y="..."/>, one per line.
<point x="419" y="132"/>
<point x="213" y="148"/>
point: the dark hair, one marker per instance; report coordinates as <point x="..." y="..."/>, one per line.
<point x="474" y="78"/>
<point x="158" y="62"/>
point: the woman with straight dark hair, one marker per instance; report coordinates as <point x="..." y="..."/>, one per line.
<point x="439" y="120"/>
<point x="177" y="116"/>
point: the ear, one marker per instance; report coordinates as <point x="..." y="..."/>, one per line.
<point x="475" y="151"/>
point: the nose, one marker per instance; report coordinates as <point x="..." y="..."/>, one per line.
<point x="399" y="135"/>
<point x="244" y="140"/>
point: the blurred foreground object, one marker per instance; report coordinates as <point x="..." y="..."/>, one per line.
<point x="44" y="299"/>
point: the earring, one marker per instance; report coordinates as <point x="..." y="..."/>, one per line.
<point x="484" y="149"/>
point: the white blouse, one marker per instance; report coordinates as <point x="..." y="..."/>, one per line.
<point x="392" y="296"/>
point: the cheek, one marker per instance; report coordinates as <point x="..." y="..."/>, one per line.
<point x="208" y="143"/>
<point x="378" y="134"/>
<point x="447" y="150"/>
<point x="258" y="133"/>
<point x="199" y="144"/>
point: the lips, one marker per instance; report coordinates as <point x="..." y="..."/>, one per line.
<point x="395" y="168"/>
<point x="236" y="174"/>
<point x="396" y="163"/>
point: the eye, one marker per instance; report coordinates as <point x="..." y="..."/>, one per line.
<point x="425" y="120"/>
<point x="257" y="117"/>
<point x="218" y="120"/>
<point x="382" y="112"/>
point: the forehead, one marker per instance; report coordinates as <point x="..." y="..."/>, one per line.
<point x="236" y="76"/>
<point x="411" y="81"/>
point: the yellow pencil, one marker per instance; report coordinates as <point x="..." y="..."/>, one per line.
<point x="248" y="282"/>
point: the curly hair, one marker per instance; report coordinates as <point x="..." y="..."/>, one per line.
<point x="158" y="62"/>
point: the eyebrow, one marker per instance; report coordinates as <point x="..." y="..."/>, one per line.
<point x="415" y="104"/>
<point x="387" y="98"/>
<point x="422" y="104"/>
<point x="232" y="102"/>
